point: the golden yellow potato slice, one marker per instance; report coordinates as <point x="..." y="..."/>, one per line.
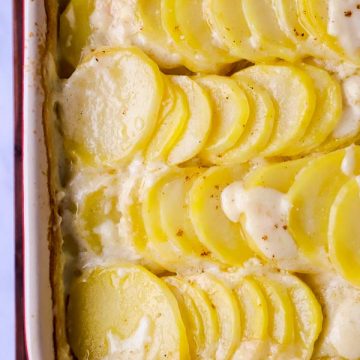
<point x="286" y="12"/>
<point x="327" y="111"/>
<point x="203" y="329"/>
<point x="173" y="116"/>
<point x="266" y="32"/>
<point x="230" y="113"/>
<point x="344" y="232"/>
<point x="294" y="95"/>
<point x="217" y="233"/>
<point x="96" y="209"/>
<point x="228" y="24"/>
<point x="254" y="309"/>
<point x="278" y="176"/>
<point x="280" y="310"/>
<point x="227" y="309"/>
<point x="185" y="24"/>
<point x="194" y="136"/>
<point x="315" y="17"/>
<point x="110" y="105"/>
<point x="258" y="128"/>
<point x="75" y="29"/>
<point x="312" y="195"/>
<point x="124" y="312"/>
<point x="308" y="315"/>
<point x="174" y="211"/>
<point x="158" y="44"/>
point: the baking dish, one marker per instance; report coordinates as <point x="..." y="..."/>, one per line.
<point x="34" y="329"/>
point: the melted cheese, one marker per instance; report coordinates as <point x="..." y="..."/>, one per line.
<point x="133" y="347"/>
<point x="266" y="213"/>
<point x="348" y="163"/>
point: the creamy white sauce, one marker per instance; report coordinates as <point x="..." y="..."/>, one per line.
<point x="344" y="20"/>
<point x="349" y="124"/>
<point x="345" y="334"/>
<point x="117" y="23"/>
<point x="133" y="347"/>
<point x="348" y="162"/>
<point x="266" y="214"/>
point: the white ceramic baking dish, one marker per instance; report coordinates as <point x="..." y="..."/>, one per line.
<point x="33" y="293"/>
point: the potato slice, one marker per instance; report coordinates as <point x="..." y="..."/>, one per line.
<point x="294" y="94"/>
<point x="314" y="16"/>
<point x="266" y="32"/>
<point x="258" y="128"/>
<point x="312" y="195"/>
<point x="280" y="310"/>
<point x="125" y="312"/>
<point x="157" y="42"/>
<point x="230" y="113"/>
<point x="186" y="26"/>
<point x="197" y="129"/>
<point x="228" y="24"/>
<point x="110" y="105"/>
<point x="96" y="209"/>
<point x="277" y="176"/>
<point x="173" y="116"/>
<point x="327" y="112"/>
<point x="227" y="310"/>
<point x="174" y="211"/>
<point x="286" y="13"/>
<point x="344" y="232"/>
<point x="254" y="309"/>
<point x="308" y="315"/>
<point x="220" y="235"/>
<point x="75" y="29"/>
<point x="203" y="329"/>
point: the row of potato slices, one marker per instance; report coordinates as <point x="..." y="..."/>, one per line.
<point x="126" y="312"/>
<point x="118" y="103"/>
<point x="178" y="222"/>
<point x="324" y="192"/>
<point x="205" y="34"/>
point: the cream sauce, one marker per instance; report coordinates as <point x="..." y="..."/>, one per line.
<point x="344" y="20"/>
<point x="266" y="213"/>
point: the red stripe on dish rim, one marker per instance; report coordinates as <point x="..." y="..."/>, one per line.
<point x="19" y="60"/>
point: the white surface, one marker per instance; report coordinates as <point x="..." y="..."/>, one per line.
<point x="7" y="321"/>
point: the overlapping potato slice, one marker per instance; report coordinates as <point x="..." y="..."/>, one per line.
<point x="344" y="232"/>
<point x="173" y="116"/>
<point x="294" y="95"/>
<point x="318" y="16"/>
<point x="75" y="29"/>
<point x="265" y="29"/>
<point x="195" y="134"/>
<point x="308" y="315"/>
<point x="110" y="105"/>
<point x="327" y="112"/>
<point x="112" y="312"/>
<point x="157" y="42"/>
<point x="220" y="235"/>
<point x="96" y="209"/>
<point x="230" y="113"/>
<point x="254" y="315"/>
<point x="278" y="176"/>
<point x="227" y="310"/>
<point x="280" y="310"/>
<point x="174" y="211"/>
<point x="228" y="24"/>
<point x="203" y="326"/>
<point x="185" y="23"/>
<point x="258" y="128"/>
<point x="286" y="12"/>
<point x="312" y="195"/>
